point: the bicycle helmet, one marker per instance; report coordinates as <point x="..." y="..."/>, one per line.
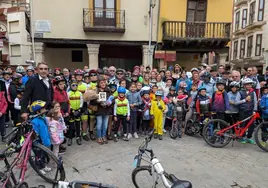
<point x="100" y="71"/>
<point x="20" y="89"/>
<point x="86" y="75"/>
<point x="6" y="72"/>
<point x="16" y="76"/>
<point x="153" y="81"/>
<point x="183" y="84"/>
<point x="143" y="92"/>
<point x="30" y="68"/>
<point x="57" y="69"/>
<point x="202" y="88"/>
<point x="120" y="70"/>
<point x="234" y="84"/>
<point x="58" y="79"/>
<point x="220" y="81"/>
<point x="78" y="72"/>
<point x="20" y="69"/>
<point x="92" y="71"/>
<point x="121" y="90"/>
<point x="158" y="93"/>
<point x="247" y="81"/>
<point x="112" y="83"/>
<point x="172" y="88"/>
<point x="37" y="105"/>
<point x="194" y="69"/>
<point x="206" y="75"/>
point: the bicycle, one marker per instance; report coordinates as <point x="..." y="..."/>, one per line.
<point x="26" y="143"/>
<point x="154" y="169"/>
<point x="218" y="133"/>
<point x="174" y="132"/>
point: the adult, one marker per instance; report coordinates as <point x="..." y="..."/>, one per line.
<point x="177" y="72"/>
<point x="9" y="69"/>
<point x="38" y="87"/>
<point x="221" y="69"/>
<point x="185" y="79"/>
<point x="85" y="68"/>
<point x="236" y="76"/>
<point x="66" y="76"/>
<point x="20" y="69"/>
<point x="259" y="77"/>
<point x="5" y="88"/>
<point x="137" y="71"/>
<point x="159" y="82"/>
<point x="208" y="84"/>
<point x="146" y="79"/>
<point x="266" y="74"/>
<point x="57" y="72"/>
<point x="256" y="84"/>
<point x="153" y="75"/>
<point x="29" y="73"/>
<point x="112" y="71"/>
<point x="120" y="75"/>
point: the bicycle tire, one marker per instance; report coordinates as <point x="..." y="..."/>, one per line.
<point x="8" y="184"/>
<point x="258" y="139"/>
<point x="144" y="168"/>
<point x="211" y="141"/>
<point x="61" y="171"/>
<point x="173" y="132"/>
<point x="23" y="185"/>
<point x="188" y="130"/>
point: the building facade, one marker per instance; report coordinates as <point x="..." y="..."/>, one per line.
<point x="14" y="31"/>
<point x="192" y="28"/>
<point x="249" y="42"/>
<point x="94" y="33"/>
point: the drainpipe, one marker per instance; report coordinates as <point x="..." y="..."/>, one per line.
<point x="230" y="49"/>
<point x="152" y="5"/>
<point x="32" y="30"/>
<point x="158" y="16"/>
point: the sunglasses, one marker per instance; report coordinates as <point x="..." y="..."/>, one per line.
<point x="74" y="85"/>
<point x="43" y="68"/>
<point x="93" y="75"/>
<point x="234" y="76"/>
<point x="119" y="73"/>
<point x="111" y="70"/>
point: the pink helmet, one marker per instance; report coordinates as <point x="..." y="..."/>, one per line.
<point x="166" y="100"/>
<point x="78" y="72"/>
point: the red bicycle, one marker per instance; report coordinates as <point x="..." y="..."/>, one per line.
<point x="218" y="133"/>
<point x="26" y="143"/>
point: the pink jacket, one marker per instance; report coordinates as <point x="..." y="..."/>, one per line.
<point x="56" y="129"/>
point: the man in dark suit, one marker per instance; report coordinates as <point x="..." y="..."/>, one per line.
<point x="38" y="87"/>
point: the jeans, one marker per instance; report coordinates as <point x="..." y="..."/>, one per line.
<point x="133" y="122"/>
<point x="102" y="125"/>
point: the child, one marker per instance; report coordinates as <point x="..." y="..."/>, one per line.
<point x="169" y="114"/>
<point x="168" y="86"/>
<point x="56" y="128"/>
<point x="139" y="86"/>
<point x="164" y="114"/>
<point x="135" y="101"/>
<point x="76" y="103"/>
<point x="145" y="107"/>
<point x="179" y="110"/>
<point x="264" y="108"/>
<point x="152" y="94"/>
<point x="157" y="109"/>
<point x="172" y="92"/>
<point x="17" y="104"/>
<point x="220" y="101"/>
<point x="191" y="103"/>
<point x="123" y="83"/>
<point x="41" y="128"/>
<point x="121" y="112"/>
<point x="246" y="109"/>
<point x="113" y="88"/>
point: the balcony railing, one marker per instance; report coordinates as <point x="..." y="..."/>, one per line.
<point x="104" y="20"/>
<point x="180" y="30"/>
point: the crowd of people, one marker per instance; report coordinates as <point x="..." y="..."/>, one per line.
<point x="125" y="104"/>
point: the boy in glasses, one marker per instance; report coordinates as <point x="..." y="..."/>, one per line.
<point x="76" y="104"/>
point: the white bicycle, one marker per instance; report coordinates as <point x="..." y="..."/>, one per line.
<point x="149" y="175"/>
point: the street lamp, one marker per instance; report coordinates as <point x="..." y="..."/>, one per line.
<point x="152" y="5"/>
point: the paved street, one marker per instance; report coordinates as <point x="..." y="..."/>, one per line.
<point x="189" y="158"/>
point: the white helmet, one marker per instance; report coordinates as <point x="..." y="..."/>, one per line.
<point x="30" y="68"/>
<point x="235" y="84"/>
<point x="20" y="69"/>
<point x="247" y="81"/>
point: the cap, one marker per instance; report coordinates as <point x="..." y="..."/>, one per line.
<point x="194" y="69"/>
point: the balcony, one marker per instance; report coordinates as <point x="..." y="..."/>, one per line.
<point x="104" y="20"/>
<point x="200" y="33"/>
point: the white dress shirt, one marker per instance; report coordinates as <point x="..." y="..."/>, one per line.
<point x="45" y="80"/>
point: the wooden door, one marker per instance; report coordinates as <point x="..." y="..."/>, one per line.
<point x="196" y="18"/>
<point x="104" y="13"/>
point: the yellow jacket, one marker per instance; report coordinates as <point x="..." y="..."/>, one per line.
<point x="155" y="109"/>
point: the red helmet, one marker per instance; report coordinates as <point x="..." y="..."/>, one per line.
<point x="78" y="72"/>
<point x="92" y="71"/>
<point x="57" y="69"/>
<point x="136" y="67"/>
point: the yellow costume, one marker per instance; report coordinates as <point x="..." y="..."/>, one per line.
<point x="158" y="115"/>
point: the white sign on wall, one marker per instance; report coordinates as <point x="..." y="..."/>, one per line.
<point x="1" y="43"/>
<point x="42" y="26"/>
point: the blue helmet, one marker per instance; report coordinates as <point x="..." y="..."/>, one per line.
<point x="201" y="88"/>
<point x="121" y="90"/>
<point x="37" y="105"/>
<point x="158" y="93"/>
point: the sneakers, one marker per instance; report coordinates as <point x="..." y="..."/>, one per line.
<point x="129" y="136"/>
<point x="160" y="137"/>
<point x="78" y="140"/>
<point x="105" y="141"/>
<point x="92" y="136"/>
<point x="164" y="131"/>
<point x="155" y="136"/>
<point x="70" y="142"/>
<point x="116" y="138"/>
<point x="242" y="141"/>
<point x="62" y="149"/>
<point x="85" y="137"/>
<point x="250" y="141"/>
<point x="45" y="170"/>
<point x="125" y="138"/>
<point x="110" y="137"/>
<point x="135" y="135"/>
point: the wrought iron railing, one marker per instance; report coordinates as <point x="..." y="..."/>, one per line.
<point x="200" y="30"/>
<point x="104" y="20"/>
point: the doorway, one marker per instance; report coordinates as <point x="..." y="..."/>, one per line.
<point x="104" y="13"/>
<point x="196" y="18"/>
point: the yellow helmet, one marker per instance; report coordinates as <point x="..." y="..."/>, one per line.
<point x="37" y="105"/>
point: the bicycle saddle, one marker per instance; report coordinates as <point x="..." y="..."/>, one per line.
<point x="179" y="183"/>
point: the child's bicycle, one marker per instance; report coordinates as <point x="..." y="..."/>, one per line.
<point x="25" y="142"/>
<point x="218" y="133"/>
<point x="174" y="132"/>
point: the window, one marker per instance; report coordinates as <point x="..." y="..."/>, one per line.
<point x="258" y="45"/>
<point x="244" y="18"/>
<point x="261" y="10"/>
<point x="15" y="50"/>
<point x="14" y="27"/>
<point x="235" y="49"/>
<point x="237" y="20"/>
<point x="249" y="51"/>
<point x="242" y="48"/>
<point x="252" y="12"/>
<point x="77" y="56"/>
<point x="196" y="10"/>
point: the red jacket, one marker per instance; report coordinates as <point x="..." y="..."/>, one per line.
<point x="3" y="103"/>
<point x="61" y="97"/>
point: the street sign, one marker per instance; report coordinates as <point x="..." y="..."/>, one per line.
<point x="42" y="26"/>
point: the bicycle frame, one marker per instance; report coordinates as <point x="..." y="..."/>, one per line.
<point x="25" y="153"/>
<point x="239" y="132"/>
<point x="62" y="184"/>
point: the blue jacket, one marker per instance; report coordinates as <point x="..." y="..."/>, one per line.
<point x="264" y="105"/>
<point x="187" y="81"/>
<point x="235" y="99"/>
<point x="40" y="126"/>
<point x="134" y="98"/>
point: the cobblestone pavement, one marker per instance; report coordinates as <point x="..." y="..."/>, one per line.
<point x="245" y="166"/>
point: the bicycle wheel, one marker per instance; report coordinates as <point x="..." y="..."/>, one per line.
<point x="142" y="178"/>
<point x="2" y="180"/>
<point x="173" y="132"/>
<point x="46" y="164"/>
<point x="210" y="130"/>
<point x="23" y="185"/>
<point x="261" y="136"/>
<point x="189" y="129"/>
